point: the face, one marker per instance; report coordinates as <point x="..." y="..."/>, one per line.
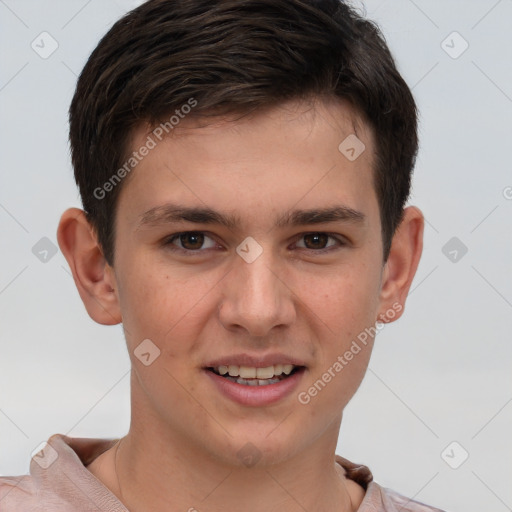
<point x="272" y="286"/>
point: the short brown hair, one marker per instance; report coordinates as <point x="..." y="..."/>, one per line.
<point x="234" y="57"/>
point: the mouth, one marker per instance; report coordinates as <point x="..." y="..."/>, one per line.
<point x="252" y="376"/>
<point x="255" y="380"/>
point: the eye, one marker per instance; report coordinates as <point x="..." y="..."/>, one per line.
<point x="189" y="241"/>
<point x="192" y="242"/>
<point x="317" y="242"/>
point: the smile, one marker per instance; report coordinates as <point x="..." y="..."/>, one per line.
<point x="269" y="385"/>
<point x="252" y="376"/>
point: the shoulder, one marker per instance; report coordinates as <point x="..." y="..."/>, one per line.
<point x="372" y="497"/>
<point x="16" y="491"/>
<point x="59" y="479"/>
<point x="391" y="501"/>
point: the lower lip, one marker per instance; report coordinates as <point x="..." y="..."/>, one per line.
<point x="256" y="395"/>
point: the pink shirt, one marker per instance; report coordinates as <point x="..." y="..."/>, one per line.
<point x="66" y="485"/>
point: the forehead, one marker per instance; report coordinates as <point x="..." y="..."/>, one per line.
<point x="268" y="161"/>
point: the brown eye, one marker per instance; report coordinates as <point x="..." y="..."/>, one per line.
<point x="316" y="240"/>
<point x="190" y="241"/>
<point x="319" y="242"/>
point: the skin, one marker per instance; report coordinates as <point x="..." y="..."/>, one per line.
<point x="181" y="448"/>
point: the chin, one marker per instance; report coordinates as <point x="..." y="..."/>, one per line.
<point x="257" y="447"/>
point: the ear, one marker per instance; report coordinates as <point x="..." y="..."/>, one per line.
<point x="94" y="277"/>
<point x="400" y="268"/>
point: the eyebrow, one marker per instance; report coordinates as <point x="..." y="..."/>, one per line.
<point x="173" y="213"/>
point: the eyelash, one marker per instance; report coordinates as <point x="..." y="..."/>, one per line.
<point x="168" y="242"/>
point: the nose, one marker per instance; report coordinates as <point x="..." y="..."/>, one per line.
<point x="256" y="298"/>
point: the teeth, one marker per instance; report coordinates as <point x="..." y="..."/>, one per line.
<point x="287" y="368"/>
<point x="262" y="373"/>
<point x="254" y="382"/>
<point x="250" y="373"/>
<point x="247" y="372"/>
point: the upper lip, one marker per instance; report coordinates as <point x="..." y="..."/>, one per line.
<point x="254" y="361"/>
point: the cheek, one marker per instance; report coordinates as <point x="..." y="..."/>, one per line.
<point x="345" y="307"/>
<point x="345" y="300"/>
<point x="167" y="308"/>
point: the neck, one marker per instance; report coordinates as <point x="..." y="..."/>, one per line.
<point x="159" y="468"/>
<point x="152" y="476"/>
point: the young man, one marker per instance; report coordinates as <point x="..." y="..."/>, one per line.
<point x="243" y="167"/>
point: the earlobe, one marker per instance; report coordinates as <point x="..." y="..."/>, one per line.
<point x="401" y="266"/>
<point x="93" y="276"/>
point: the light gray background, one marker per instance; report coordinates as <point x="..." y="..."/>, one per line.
<point x="440" y="374"/>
